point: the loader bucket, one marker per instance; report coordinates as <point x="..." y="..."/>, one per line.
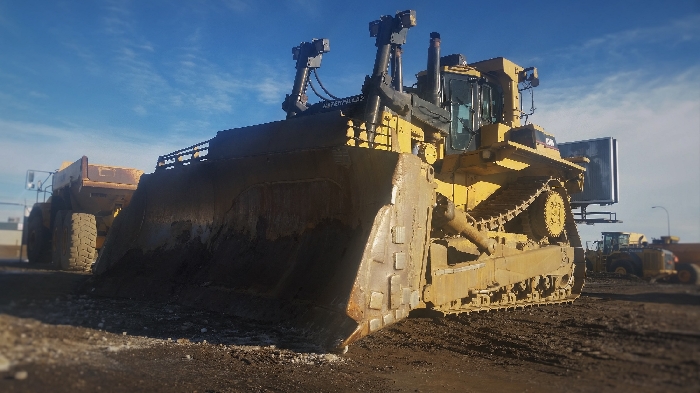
<point x="282" y="222"/>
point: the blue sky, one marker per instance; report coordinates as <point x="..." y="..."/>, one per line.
<point x="125" y="81"/>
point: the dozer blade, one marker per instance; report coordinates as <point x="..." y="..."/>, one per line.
<point x="331" y="239"/>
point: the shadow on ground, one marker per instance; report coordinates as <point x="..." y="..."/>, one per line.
<point x="63" y="298"/>
<point x="690" y="299"/>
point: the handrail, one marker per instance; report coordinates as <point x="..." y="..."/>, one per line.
<point x="182" y="157"/>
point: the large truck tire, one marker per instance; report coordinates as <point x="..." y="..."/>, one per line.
<point x="688" y="273"/>
<point x="79" y="242"/>
<point x="58" y="239"/>
<point x="622" y="267"/>
<point x="38" y="238"/>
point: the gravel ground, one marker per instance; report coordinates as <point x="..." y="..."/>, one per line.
<point x="623" y="334"/>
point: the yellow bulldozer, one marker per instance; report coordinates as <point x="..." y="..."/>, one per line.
<point x="352" y="212"/>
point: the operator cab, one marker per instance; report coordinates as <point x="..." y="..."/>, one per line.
<point x="615" y="241"/>
<point x="473" y="102"/>
<point x="473" y="98"/>
<point x="483" y="100"/>
<point x="622" y="241"/>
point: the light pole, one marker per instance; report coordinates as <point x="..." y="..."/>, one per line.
<point x="668" y="219"/>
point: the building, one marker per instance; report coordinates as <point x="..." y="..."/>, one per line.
<point x="11" y="238"/>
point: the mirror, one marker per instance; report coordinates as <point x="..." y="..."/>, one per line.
<point x="30" y="180"/>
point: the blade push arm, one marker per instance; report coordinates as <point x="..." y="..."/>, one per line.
<point x="308" y="56"/>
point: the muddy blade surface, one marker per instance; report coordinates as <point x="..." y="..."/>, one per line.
<point x="274" y="238"/>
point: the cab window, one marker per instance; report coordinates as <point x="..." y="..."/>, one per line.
<point x="488" y="105"/>
<point x="463" y="132"/>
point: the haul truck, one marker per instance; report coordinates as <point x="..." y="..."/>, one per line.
<point x="354" y="211"/>
<point x="68" y="230"/>
<point x="688" y="255"/>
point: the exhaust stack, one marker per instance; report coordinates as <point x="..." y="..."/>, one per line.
<point x="433" y="91"/>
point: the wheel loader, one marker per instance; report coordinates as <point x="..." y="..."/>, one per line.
<point x="68" y="230"/>
<point x="350" y="213"/>
<point x="628" y="253"/>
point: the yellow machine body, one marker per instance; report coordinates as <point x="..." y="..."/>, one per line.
<point x="688" y="255"/>
<point x="342" y="226"/>
<point x="80" y="187"/>
<point x="628" y="253"/>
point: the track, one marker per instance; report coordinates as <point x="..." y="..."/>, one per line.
<point x="493" y="213"/>
<point x="509" y="202"/>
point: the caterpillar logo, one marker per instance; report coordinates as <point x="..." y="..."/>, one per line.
<point x="545" y="140"/>
<point x="343" y="101"/>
